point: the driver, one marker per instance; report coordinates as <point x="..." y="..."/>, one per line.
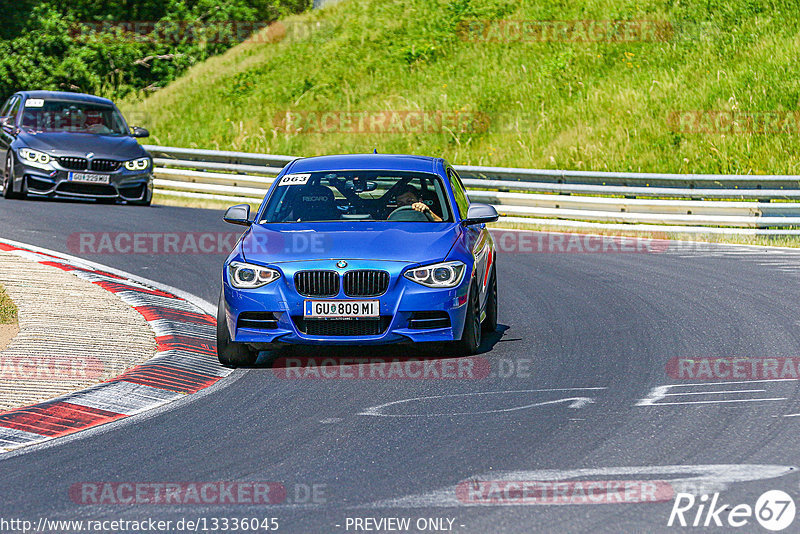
<point x="409" y="196"/>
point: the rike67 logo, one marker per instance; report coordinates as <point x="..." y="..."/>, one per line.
<point x="774" y="510"/>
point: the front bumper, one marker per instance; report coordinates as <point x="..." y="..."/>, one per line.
<point x="399" y="306"/>
<point x="54" y="182"/>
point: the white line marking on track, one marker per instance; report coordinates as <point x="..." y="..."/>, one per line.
<point x="574" y="402"/>
<point x="715" y="392"/>
<point x="713" y="402"/>
<point x="659" y="393"/>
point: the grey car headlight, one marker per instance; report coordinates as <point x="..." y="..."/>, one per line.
<point x="137" y="164"/>
<point x="249" y="276"/>
<point x="35" y="158"/>
<point x="447" y="274"/>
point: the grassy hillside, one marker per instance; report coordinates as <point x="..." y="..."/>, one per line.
<point x="552" y="103"/>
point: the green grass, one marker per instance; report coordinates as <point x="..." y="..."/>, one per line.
<point x="210" y="204"/>
<point x="8" y="311"/>
<point x="570" y="105"/>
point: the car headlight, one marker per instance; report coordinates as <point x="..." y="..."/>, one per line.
<point x="249" y="276"/>
<point x="137" y="164"/>
<point x="34" y="156"/>
<point x="447" y="274"/>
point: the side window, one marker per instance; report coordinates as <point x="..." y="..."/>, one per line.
<point x="5" y="107"/>
<point x="12" y="112"/>
<point x="5" y="112"/>
<point x="462" y="200"/>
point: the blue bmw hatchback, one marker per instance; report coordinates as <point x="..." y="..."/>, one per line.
<point x="359" y="250"/>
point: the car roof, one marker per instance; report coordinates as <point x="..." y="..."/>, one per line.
<point x="367" y="162"/>
<point x="63" y="95"/>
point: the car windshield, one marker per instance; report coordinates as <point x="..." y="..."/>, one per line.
<point x="76" y="117"/>
<point x="358" y="196"/>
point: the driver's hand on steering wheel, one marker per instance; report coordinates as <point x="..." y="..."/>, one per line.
<point x="423" y="208"/>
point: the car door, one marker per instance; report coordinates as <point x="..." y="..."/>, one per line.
<point x="6" y="136"/>
<point x="477" y="236"/>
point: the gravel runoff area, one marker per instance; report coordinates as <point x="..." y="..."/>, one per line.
<point x="7" y="333"/>
<point x="72" y="333"/>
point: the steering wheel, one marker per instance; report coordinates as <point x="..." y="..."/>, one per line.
<point x="409" y="214"/>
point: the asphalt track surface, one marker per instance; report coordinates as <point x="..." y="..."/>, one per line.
<point x="606" y="321"/>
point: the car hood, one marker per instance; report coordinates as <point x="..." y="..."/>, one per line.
<point x="63" y="143"/>
<point x="406" y="242"/>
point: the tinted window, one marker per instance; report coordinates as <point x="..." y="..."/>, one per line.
<point x="76" y="117"/>
<point x="14" y="108"/>
<point x="357" y="196"/>
<point x="460" y="194"/>
<point x="6" y="107"/>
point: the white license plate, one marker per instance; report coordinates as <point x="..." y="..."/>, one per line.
<point x="330" y="309"/>
<point x="88" y="178"/>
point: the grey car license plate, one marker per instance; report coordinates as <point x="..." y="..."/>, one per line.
<point x="88" y="178"/>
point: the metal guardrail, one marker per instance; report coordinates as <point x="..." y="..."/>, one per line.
<point x="681" y="203"/>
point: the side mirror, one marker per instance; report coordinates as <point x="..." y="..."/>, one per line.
<point x="138" y="131"/>
<point x="6" y="122"/>
<point x="479" y="214"/>
<point x="239" y="214"/>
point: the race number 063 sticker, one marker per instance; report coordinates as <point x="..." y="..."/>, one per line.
<point x="295" y="179"/>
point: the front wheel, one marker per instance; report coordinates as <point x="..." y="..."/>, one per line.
<point x="8" y="179"/>
<point x="471" y="336"/>
<point x="230" y="353"/>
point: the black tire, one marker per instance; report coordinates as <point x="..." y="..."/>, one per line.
<point x="470" y="340"/>
<point x="8" y="179"/>
<point x="229" y="353"/>
<point x="490" y="321"/>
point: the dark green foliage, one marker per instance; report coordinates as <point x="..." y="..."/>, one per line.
<point x="61" y="45"/>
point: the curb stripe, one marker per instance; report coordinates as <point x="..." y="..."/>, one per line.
<point x="185" y="361"/>
<point x="190" y="362"/>
<point x="116" y="287"/>
<point x="56" y="418"/>
<point x="151" y="313"/>
<point x="14" y="437"/>
<point x="191" y="344"/>
<point x="169" y="378"/>
<point x="135" y="299"/>
<point x="124" y="397"/>
<point x="166" y="327"/>
<point x="72" y="268"/>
